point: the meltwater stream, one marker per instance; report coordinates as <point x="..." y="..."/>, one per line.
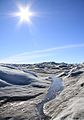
<point x="55" y="88"/>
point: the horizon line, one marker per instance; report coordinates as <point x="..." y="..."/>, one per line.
<point x="37" y="53"/>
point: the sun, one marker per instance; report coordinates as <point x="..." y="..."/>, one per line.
<point x="24" y="14"/>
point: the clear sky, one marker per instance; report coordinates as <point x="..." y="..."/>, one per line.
<point x="56" y="33"/>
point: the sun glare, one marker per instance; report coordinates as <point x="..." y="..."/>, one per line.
<point x="24" y="14"/>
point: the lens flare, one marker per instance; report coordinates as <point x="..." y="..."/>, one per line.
<point x="24" y="14"/>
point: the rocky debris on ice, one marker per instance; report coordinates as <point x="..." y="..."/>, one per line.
<point x="23" y="87"/>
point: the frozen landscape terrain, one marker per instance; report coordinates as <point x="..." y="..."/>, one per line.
<point x="44" y="91"/>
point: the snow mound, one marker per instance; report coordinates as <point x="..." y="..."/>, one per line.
<point x="15" y="77"/>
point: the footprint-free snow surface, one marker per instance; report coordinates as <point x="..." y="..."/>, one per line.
<point x="44" y="91"/>
<point x="10" y="76"/>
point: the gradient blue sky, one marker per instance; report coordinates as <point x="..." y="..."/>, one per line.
<point x="59" y="25"/>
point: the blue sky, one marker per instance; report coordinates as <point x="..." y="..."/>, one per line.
<point x="59" y="25"/>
